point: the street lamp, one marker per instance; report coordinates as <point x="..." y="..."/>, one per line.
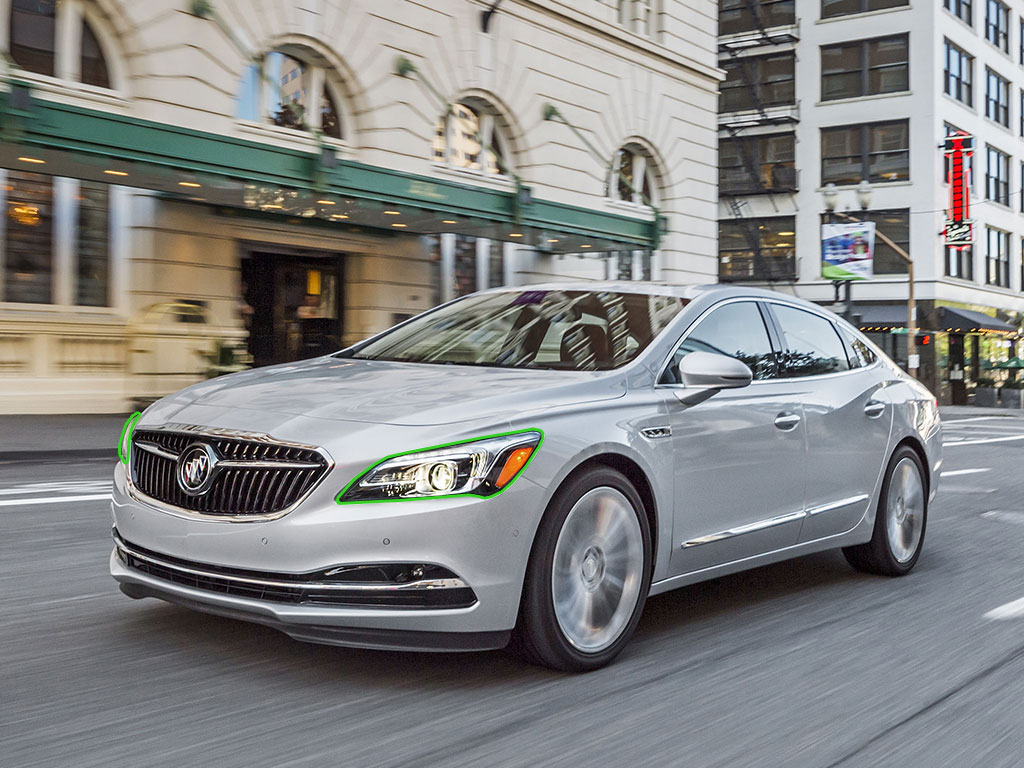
<point x="830" y="196"/>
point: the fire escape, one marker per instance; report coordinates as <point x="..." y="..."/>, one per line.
<point x="734" y="195"/>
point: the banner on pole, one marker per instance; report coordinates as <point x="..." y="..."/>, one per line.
<point x="848" y="250"/>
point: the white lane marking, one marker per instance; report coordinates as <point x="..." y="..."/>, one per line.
<point x="54" y="500"/>
<point x="1004" y="517"/>
<point x="1013" y="610"/>
<point x="974" y="418"/>
<point x="955" y="472"/>
<point x="965" y="489"/>
<point x="82" y="486"/>
<point x="984" y="440"/>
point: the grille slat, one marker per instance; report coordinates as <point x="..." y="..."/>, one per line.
<point x="234" y="490"/>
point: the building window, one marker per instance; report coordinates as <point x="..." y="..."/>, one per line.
<point x="292" y="89"/>
<point x="878" y="152"/>
<point x="997" y="175"/>
<point x="757" y="249"/>
<point x="968" y="160"/>
<point x="865" y="67"/>
<point x="997" y="24"/>
<point x="997" y="257"/>
<point x="1020" y="38"/>
<point x="1022" y="187"/>
<point x="633" y="177"/>
<point x="959" y="74"/>
<point x="750" y="165"/>
<point x="962" y="9"/>
<point x="759" y="81"/>
<point x="35" y="229"/>
<point x="831" y="8"/>
<point x="34" y="42"/>
<point x="894" y="224"/>
<point x="997" y="98"/>
<point x="960" y="262"/>
<point x="1022" y="113"/>
<point x="736" y="16"/>
<point x="471" y="137"/>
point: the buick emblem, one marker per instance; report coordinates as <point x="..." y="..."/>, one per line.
<point x="196" y="467"/>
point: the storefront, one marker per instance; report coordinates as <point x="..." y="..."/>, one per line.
<point x="957" y="345"/>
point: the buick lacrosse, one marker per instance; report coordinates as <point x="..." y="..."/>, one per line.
<point x="527" y="465"/>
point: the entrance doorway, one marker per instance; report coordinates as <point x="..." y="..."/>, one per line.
<point x="292" y="304"/>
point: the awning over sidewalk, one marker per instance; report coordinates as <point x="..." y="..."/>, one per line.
<point x="955" y="320"/>
<point x="881" y="317"/>
<point x="64" y="140"/>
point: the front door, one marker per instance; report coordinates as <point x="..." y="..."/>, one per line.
<point x="739" y="456"/>
<point x="292" y="305"/>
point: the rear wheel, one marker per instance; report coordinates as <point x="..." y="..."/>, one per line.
<point x="899" y="522"/>
<point x="588" y="576"/>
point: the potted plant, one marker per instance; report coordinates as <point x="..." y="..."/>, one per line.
<point x="985" y="392"/>
<point x="1012" y="394"/>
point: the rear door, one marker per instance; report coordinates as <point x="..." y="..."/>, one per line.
<point x="847" y="418"/>
<point x="739" y="456"/>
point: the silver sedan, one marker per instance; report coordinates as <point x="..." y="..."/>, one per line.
<point x="527" y="466"/>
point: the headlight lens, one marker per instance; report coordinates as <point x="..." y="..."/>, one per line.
<point x="482" y="467"/>
<point x="124" y="446"/>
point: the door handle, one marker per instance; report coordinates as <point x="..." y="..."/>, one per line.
<point x="874" y="409"/>
<point x="787" y="421"/>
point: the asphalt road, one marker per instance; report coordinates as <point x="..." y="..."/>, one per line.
<point x="806" y="663"/>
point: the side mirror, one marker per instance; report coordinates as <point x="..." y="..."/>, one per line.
<point x="705" y="374"/>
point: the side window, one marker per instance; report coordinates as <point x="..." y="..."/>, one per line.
<point x="736" y="330"/>
<point x="812" y="343"/>
<point x="860" y="353"/>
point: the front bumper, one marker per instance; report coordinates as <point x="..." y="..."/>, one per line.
<point x="483" y="545"/>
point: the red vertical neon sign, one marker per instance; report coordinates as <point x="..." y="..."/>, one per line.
<point x="959" y="147"/>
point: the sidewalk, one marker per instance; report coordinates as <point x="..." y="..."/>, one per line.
<point x="28" y="438"/>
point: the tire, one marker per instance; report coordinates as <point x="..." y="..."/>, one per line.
<point x="900" y="520"/>
<point x="591" y="559"/>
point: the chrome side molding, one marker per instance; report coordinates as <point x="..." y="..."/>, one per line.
<point x="834" y="505"/>
<point x="760" y="525"/>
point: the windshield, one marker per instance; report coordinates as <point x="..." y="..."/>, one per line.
<point x="569" y="330"/>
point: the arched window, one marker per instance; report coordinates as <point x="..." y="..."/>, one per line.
<point x="292" y="88"/>
<point x="472" y="137"/>
<point x="56" y="38"/>
<point x="633" y="177"/>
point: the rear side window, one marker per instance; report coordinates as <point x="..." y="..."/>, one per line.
<point x="812" y="343"/>
<point x="736" y="330"/>
<point x="861" y="355"/>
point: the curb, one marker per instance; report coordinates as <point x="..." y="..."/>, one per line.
<point x="69" y="454"/>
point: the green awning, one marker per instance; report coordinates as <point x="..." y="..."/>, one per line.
<point x="64" y="140"/>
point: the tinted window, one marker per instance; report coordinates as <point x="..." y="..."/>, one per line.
<point x="736" y="330"/>
<point x="860" y="354"/>
<point x="812" y="343"/>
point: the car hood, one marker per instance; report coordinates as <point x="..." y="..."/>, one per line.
<point x="412" y="394"/>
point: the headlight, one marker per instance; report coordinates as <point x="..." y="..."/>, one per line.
<point x="124" y="446"/>
<point x="482" y="467"/>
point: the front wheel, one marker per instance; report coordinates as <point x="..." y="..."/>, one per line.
<point x="899" y="522"/>
<point x="589" y="574"/>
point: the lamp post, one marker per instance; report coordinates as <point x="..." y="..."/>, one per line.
<point x="830" y="195"/>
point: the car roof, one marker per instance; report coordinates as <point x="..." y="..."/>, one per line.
<point x="651" y="288"/>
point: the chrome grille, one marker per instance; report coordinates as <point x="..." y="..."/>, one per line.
<point x="252" y="477"/>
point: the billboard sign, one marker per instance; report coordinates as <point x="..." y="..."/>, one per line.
<point x="847" y="250"/>
<point x="959" y="148"/>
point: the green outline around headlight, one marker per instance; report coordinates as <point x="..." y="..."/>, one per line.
<point x="377" y="463"/>
<point x="127" y="429"/>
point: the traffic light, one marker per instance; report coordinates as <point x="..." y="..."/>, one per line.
<point x="923" y="339"/>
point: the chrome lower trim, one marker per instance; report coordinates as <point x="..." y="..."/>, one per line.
<point x="760" y="525"/>
<point x="834" y="505"/>
<point x="455" y="583"/>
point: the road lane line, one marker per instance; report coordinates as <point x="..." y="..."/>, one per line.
<point x="984" y="440"/>
<point x="955" y="472"/>
<point x="1014" y="610"/>
<point x="975" y="418"/>
<point x="53" y="500"/>
<point x="1004" y="517"/>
